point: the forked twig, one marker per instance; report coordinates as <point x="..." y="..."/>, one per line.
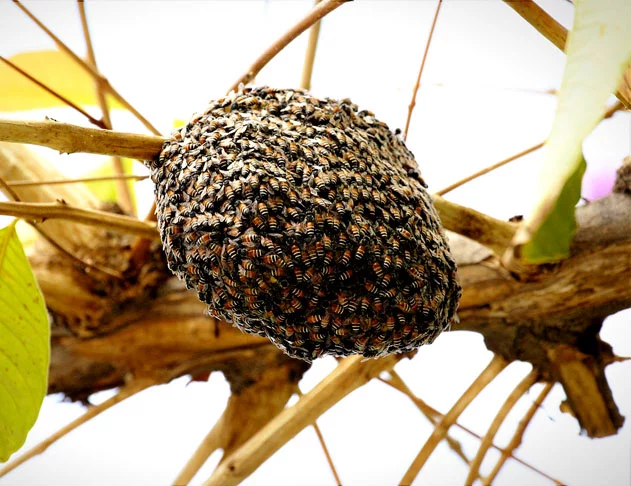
<point x="493" y="369"/>
<point x="420" y="71"/>
<point x="60" y="210"/>
<point x="422" y="405"/>
<point x="124" y="392"/>
<point x="92" y="71"/>
<point x="519" y="391"/>
<point x="515" y="441"/>
<point x="80" y="180"/>
<point x="312" y="45"/>
<point x="52" y="92"/>
<point x="319" y="11"/>
<point x="325" y="449"/>
<point x="122" y="188"/>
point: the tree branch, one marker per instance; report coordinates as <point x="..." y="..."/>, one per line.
<point x="59" y="210"/>
<point x="316" y="14"/>
<point x="67" y="138"/>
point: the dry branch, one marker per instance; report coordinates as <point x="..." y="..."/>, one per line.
<point x="67" y="138"/>
<point x="493" y="369"/>
<point x="312" y="45"/>
<point x="60" y="210"/>
<point x="316" y="14"/>
<point x="349" y="375"/>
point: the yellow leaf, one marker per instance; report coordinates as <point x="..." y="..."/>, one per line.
<point x="56" y="70"/>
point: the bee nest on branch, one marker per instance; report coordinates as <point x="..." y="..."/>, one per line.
<point x="305" y="221"/>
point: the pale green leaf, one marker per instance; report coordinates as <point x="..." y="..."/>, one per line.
<point x="598" y="51"/>
<point x="106" y="190"/>
<point x="24" y="345"/>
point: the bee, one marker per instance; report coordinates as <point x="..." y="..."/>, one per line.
<point x="272" y="223"/>
<point x="388" y="294"/>
<point x="247" y="274"/>
<point x="270" y="259"/>
<point x="404" y="233"/>
<point x="360" y="252"/>
<point x="255" y="253"/>
<point x="310" y="229"/>
<point x="259" y="223"/>
<point x="275" y="184"/>
<point x="293" y="197"/>
<point x="319" y="249"/>
<point x="314" y="318"/>
<point x="328" y="258"/>
<point x="371" y="288"/>
<point x="345" y="275"/>
<point x="354" y="231"/>
<point x="345" y="258"/>
<point x="382" y="231"/>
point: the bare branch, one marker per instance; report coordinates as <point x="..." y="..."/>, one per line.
<point x="125" y="392"/>
<point x="515" y="441"/>
<point x="420" y="71"/>
<point x="79" y="180"/>
<point x="488" y="169"/>
<point x="307" y="67"/>
<point x="493" y="369"/>
<point x="60" y="210"/>
<point x="92" y="71"/>
<point x="519" y="391"/>
<point x="52" y="92"/>
<point x="317" y="13"/>
<point x="350" y="374"/>
<point x="68" y="138"/>
<point x="123" y="192"/>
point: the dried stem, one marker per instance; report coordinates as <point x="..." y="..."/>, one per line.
<point x="63" y="99"/>
<point x="325" y="449"/>
<point x="488" y="169"/>
<point x="519" y="391"/>
<point x="398" y="384"/>
<point x="124" y="393"/>
<point x="420" y="71"/>
<point x="349" y="375"/>
<point x="79" y="180"/>
<point x="515" y="441"/>
<point x="317" y="13"/>
<point x="557" y="35"/>
<point x="123" y="192"/>
<point x="491" y="232"/>
<point x="67" y="138"/>
<point x="92" y="71"/>
<point x="312" y="45"/>
<point x="61" y="210"/>
<point x="494" y="368"/>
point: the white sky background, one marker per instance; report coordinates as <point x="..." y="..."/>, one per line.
<point x="482" y="99"/>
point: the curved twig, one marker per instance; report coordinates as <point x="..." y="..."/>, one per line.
<point x="312" y="45"/>
<point x="319" y="11"/>
<point x="79" y="180"/>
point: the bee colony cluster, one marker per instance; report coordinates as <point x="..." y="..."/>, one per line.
<point x="305" y="221"/>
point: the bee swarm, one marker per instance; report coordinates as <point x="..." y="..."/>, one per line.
<point x="305" y="221"/>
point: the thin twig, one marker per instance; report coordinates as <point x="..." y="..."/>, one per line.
<point x="67" y="138"/>
<point x="13" y="195"/>
<point x="209" y="444"/>
<point x="488" y="169"/>
<point x="350" y="374"/>
<point x="123" y="192"/>
<point x="79" y="180"/>
<point x="123" y="393"/>
<point x="60" y="210"/>
<point x="518" y="436"/>
<point x="519" y="391"/>
<point x="493" y="369"/>
<point x="319" y="11"/>
<point x="92" y="71"/>
<point x="429" y="409"/>
<point x="608" y="114"/>
<point x="325" y="449"/>
<point x="52" y="92"/>
<point x="396" y="382"/>
<point x="312" y="45"/>
<point x="420" y="71"/>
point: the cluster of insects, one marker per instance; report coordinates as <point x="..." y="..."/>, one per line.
<point x="306" y="221"/>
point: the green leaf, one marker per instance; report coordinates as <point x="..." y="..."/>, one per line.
<point x="24" y="345"/>
<point x="598" y="51"/>
<point x="54" y="69"/>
